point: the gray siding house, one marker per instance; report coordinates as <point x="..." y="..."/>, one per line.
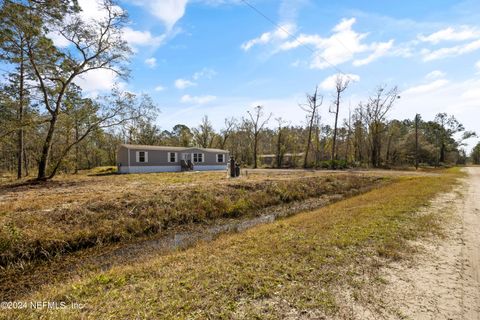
<point x="143" y="159"/>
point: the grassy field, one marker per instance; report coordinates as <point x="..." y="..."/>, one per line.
<point x="71" y="213"/>
<point x="291" y="268"/>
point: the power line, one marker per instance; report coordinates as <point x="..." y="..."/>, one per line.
<point x="297" y="40"/>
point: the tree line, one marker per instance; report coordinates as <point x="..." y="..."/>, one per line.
<point x="48" y="125"/>
<point x="367" y="138"/>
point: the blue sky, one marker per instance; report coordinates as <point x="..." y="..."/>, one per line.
<point x="220" y="57"/>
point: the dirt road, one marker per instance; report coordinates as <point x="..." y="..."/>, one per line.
<point x="444" y="283"/>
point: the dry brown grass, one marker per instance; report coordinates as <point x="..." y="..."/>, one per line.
<point x="70" y="213"/>
<point x="287" y="269"/>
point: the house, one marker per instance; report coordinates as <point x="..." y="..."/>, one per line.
<point x="143" y="159"/>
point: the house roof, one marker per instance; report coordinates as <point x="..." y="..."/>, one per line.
<point x="169" y="148"/>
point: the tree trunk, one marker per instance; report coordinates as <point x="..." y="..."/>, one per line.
<point x="25" y="161"/>
<point x="416" y="141"/>
<point x="317" y="146"/>
<point x="389" y="143"/>
<point x="47" y="146"/>
<point x="77" y="151"/>
<point x="20" y="116"/>
<point x="442" y="151"/>
<point x="305" y="161"/>
<point x="335" y="129"/>
<point x="310" y="128"/>
<point x="255" y="143"/>
<point x="279" y="155"/>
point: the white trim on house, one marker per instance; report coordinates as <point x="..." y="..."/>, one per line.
<point x="197" y="153"/>
<point x="145" y="156"/>
<point x="169" y="159"/>
<point x="149" y="169"/>
<point x="153" y="169"/>
<point x="209" y="167"/>
<point x="223" y="157"/>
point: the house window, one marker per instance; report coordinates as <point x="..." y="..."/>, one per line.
<point x="142" y="156"/>
<point x="172" y="157"/>
<point x="198" y="157"/>
<point x="220" y="157"/>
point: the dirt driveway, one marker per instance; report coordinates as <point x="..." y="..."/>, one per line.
<point x="444" y="283"/>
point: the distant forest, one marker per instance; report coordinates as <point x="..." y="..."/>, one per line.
<point x="48" y="125"/>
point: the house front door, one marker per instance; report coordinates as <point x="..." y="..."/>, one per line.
<point x="186" y="156"/>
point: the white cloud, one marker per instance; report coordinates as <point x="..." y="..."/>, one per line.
<point x="184" y="83"/>
<point x="477" y="65"/>
<point x="151" y="62"/>
<point x="379" y="50"/>
<point x="94" y="10"/>
<point x="197" y="99"/>
<point x="58" y="40"/>
<point x="215" y="3"/>
<point x="167" y="11"/>
<point x="471" y="94"/>
<point x="91" y="10"/>
<point x="425" y="88"/>
<point x="281" y="33"/>
<point x="159" y="88"/>
<point x="330" y="82"/>
<point x="297" y="63"/>
<point x="429" y="55"/>
<point x="344" y="25"/>
<point x="451" y="34"/>
<point x="96" y="81"/>
<point x="289" y="9"/>
<point x="460" y="99"/>
<point x="204" y="73"/>
<point x="435" y="74"/>
<point x="141" y="38"/>
<point x="340" y="47"/>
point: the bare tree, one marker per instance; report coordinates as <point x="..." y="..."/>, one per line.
<point x="204" y="134"/>
<point x="374" y="113"/>
<point x="256" y="123"/>
<point x="311" y="107"/>
<point x="348" y="125"/>
<point x="318" y="140"/>
<point x="341" y="84"/>
<point x="230" y="125"/>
